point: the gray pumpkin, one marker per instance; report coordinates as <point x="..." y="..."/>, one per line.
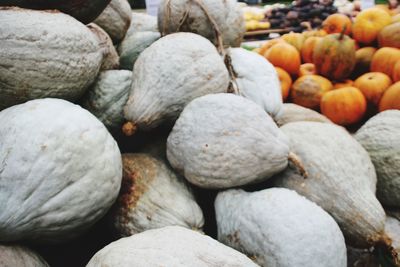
<point x="278" y="227"/>
<point x="380" y="137"/>
<point x="169" y="246"/>
<point x="256" y="79"/>
<point x="133" y="45"/>
<point x="107" y="97"/>
<point x="341" y="179"/>
<point x="142" y="22"/>
<point x="163" y="84"/>
<point x="291" y="113"/>
<point x="110" y="55"/>
<point x="60" y="171"/>
<point x="224" y="140"/>
<point x="115" y="19"/>
<point x="45" y="54"/>
<point x="152" y="196"/>
<point x="19" y="256"/>
<point x="197" y="16"/>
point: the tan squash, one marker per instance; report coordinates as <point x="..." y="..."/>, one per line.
<point x="307" y="90"/>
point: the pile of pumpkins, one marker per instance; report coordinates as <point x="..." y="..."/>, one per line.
<point x="348" y="70"/>
<point x="178" y="143"/>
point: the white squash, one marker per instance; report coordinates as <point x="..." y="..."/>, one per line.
<point x="169" y="246"/>
<point x="45" y="54"/>
<point x="110" y="55"/>
<point x="224" y="140"/>
<point x="60" y="171"/>
<point x="169" y="74"/>
<point x="108" y="96"/>
<point x="256" y="80"/>
<point x="19" y="256"/>
<point x="202" y="17"/>
<point x="380" y="137"/>
<point x="142" y="22"/>
<point x="152" y="196"/>
<point x="115" y="19"/>
<point x="341" y="179"/>
<point x="278" y="227"/>
<point x="291" y="113"/>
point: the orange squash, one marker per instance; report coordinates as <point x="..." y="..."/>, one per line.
<point x="308" y="90"/>
<point x="335" y="23"/>
<point x="314" y="33"/>
<point x="285" y="56"/>
<point x="384" y="60"/>
<point x="295" y="39"/>
<point x="335" y="56"/>
<point x="363" y="59"/>
<point x="307" y="69"/>
<point x="267" y="45"/>
<point x="345" y="83"/>
<point x="344" y="106"/>
<point x="390" y="36"/>
<point x="396" y="18"/>
<point x="373" y="85"/>
<point x="308" y="49"/>
<point x="368" y="23"/>
<point x="286" y="82"/>
<point x="391" y="98"/>
<point x="396" y="72"/>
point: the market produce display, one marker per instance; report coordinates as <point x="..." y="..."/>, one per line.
<point x="135" y="140"/>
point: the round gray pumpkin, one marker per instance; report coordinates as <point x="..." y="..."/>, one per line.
<point x="169" y="246"/>
<point x="45" y="54"/>
<point x="291" y="113"/>
<point x="380" y="137"/>
<point x="60" y="171"/>
<point x="224" y="140"/>
<point x="110" y="55"/>
<point x="19" y="256"/>
<point x="115" y="19"/>
<point x="169" y="74"/>
<point x="133" y="45"/>
<point x="197" y="16"/>
<point x="341" y="179"/>
<point x="278" y="227"/>
<point x="107" y="97"/>
<point x="152" y="196"/>
<point x="256" y="79"/>
<point x="142" y="22"/>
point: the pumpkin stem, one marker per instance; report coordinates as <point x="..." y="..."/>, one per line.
<point x="129" y="128"/>
<point x="295" y="160"/>
<point x="233" y="86"/>
<point x="342" y="32"/>
<point x="386" y="254"/>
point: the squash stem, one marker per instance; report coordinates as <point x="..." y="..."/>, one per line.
<point x="129" y="128"/>
<point x="295" y="160"/>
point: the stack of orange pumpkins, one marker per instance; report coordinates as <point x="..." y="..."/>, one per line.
<point x="349" y="70"/>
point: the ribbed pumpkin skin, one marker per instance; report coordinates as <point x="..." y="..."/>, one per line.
<point x="373" y="85"/>
<point x="335" y="56"/>
<point x="385" y="59"/>
<point x="308" y="48"/>
<point x="391" y="98"/>
<point x="83" y="10"/>
<point x="285" y="56"/>
<point x="295" y="39"/>
<point x="344" y="106"/>
<point x="390" y="36"/>
<point x="396" y="72"/>
<point x="336" y="22"/>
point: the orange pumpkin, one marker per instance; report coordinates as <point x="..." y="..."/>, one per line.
<point x="368" y="23"/>
<point x="396" y="72"/>
<point x="286" y="82"/>
<point x="363" y="59"/>
<point x="314" y="33"/>
<point x="373" y="85"/>
<point x="391" y="98"/>
<point x="308" y="49"/>
<point x="390" y="36"/>
<point x="335" y="56"/>
<point x="267" y="45"/>
<point x="384" y="60"/>
<point x="285" y="56"/>
<point x="345" y="83"/>
<point x="295" y="39"/>
<point x="344" y="106"/>
<point x="307" y="69"/>
<point x="383" y="7"/>
<point x="336" y="23"/>
<point x="308" y="90"/>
